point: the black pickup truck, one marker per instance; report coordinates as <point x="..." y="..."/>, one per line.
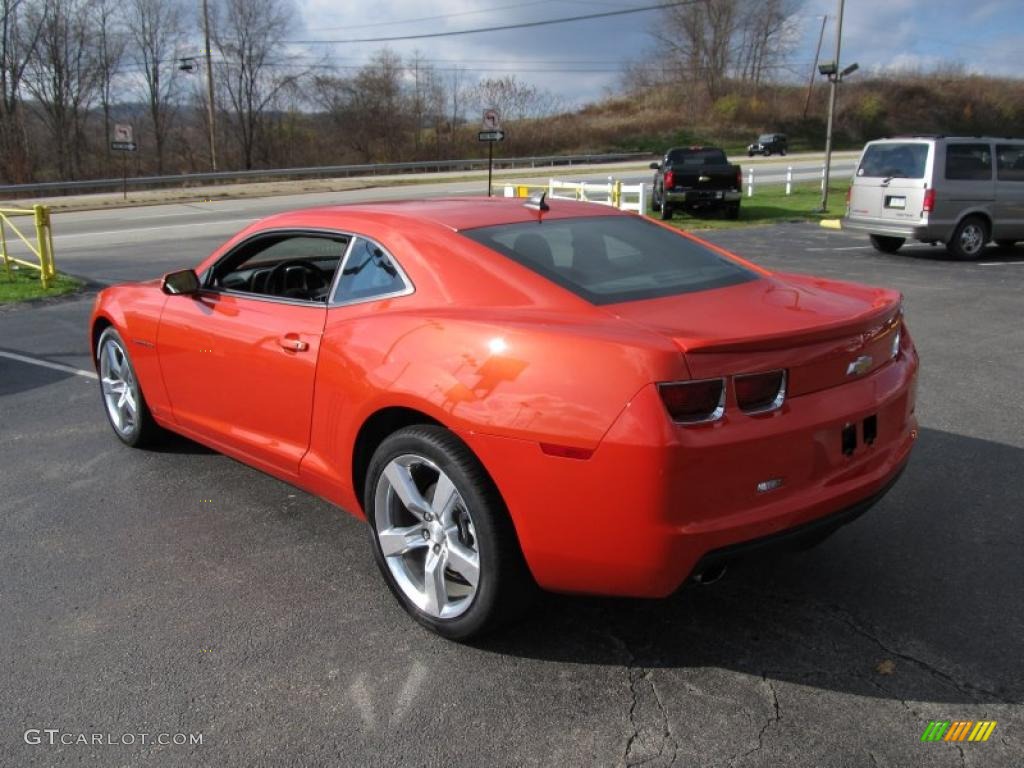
<point x="692" y="178"/>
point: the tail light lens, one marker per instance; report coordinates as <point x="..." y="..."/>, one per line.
<point x="929" y="201"/>
<point x="693" y="402"/>
<point x="670" y="179"/>
<point x="739" y="178"/>
<point x="760" y="392"/>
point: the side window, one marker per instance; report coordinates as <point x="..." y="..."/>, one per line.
<point x="369" y="272"/>
<point x="969" y="162"/>
<point x="1010" y="162"/>
<point x="284" y="266"/>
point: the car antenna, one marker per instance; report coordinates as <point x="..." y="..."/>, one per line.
<point x="539" y="202"/>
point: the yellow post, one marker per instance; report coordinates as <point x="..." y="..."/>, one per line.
<point x="617" y="194"/>
<point x="3" y="247"/>
<point x="46" y="269"/>
<point x="522" y="191"/>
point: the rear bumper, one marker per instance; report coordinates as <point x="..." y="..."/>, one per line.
<point x="908" y="231"/>
<point x="696" y="197"/>
<point x="638" y="517"/>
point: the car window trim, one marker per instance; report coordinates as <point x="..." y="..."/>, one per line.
<point x="207" y="275"/>
<point x="407" y="285"/>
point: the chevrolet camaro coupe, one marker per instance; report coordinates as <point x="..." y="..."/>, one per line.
<point x="522" y="394"/>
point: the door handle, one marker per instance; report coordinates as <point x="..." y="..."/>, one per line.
<point x="293" y="343"/>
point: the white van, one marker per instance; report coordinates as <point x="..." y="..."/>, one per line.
<point x="960" y="191"/>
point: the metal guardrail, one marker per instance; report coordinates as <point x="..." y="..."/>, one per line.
<point x="367" y="169"/>
<point x="43" y="247"/>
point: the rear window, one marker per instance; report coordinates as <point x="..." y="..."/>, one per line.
<point x="894" y="160"/>
<point x="969" y="162"/>
<point x="610" y="259"/>
<point x="696" y="157"/>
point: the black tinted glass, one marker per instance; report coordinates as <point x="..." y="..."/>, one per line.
<point x="696" y="157"/>
<point x="368" y="272"/>
<point x="608" y="259"/>
<point x="1010" y="163"/>
<point x="969" y="162"/>
<point x="894" y="161"/>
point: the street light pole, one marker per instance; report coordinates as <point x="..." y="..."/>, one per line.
<point x="211" y="111"/>
<point x="834" y="78"/>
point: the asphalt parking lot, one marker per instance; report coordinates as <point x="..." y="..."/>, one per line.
<point x="177" y="591"/>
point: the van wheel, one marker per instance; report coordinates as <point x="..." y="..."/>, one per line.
<point x="969" y="238"/>
<point x="886" y="244"/>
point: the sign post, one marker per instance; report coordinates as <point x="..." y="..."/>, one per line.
<point x="491" y="133"/>
<point x="123" y="142"/>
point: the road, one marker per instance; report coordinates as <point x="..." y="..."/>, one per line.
<point x="179" y="591"/>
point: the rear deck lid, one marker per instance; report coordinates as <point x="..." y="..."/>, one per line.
<point x="814" y="328"/>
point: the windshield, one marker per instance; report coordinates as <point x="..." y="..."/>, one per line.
<point x="894" y="160"/>
<point x="696" y="157"/>
<point x="610" y="259"/>
<point x="765" y="138"/>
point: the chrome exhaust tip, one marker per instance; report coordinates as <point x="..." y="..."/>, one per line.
<point x="711" y="574"/>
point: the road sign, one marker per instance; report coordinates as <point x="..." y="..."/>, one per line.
<point x="491" y="121"/>
<point x="491" y="136"/>
<point x="124" y="146"/>
<point x="123" y="133"/>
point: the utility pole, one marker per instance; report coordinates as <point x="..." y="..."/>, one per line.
<point x="834" y="78"/>
<point x="211" y="111"/>
<point x="814" y="66"/>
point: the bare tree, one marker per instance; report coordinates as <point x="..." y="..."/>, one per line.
<point x="110" y="48"/>
<point x="63" y="76"/>
<point x="249" y="36"/>
<point x="711" y="41"/>
<point x="157" y="31"/>
<point x="17" y="44"/>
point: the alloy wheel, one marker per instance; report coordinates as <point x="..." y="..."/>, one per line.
<point x="427" y="537"/>
<point x="972" y="238"/>
<point x="120" y="388"/>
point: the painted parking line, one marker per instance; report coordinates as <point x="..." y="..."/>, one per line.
<point x="843" y="248"/>
<point x="48" y="364"/>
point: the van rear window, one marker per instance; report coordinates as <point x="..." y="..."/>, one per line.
<point x="894" y="160"/>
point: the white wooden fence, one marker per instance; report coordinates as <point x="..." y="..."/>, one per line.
<point x="625" y="197"/>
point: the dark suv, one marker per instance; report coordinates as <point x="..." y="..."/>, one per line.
<point x="768" y="144"/>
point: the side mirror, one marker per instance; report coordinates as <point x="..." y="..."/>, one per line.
<point x="655" y="166"/>
<point x="182" y="283"/>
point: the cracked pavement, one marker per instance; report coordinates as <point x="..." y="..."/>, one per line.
<point x="257" y="618"/>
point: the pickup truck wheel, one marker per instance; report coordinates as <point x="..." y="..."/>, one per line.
<point x="732" y="211"/>
<point x="969" y="238"/>
<point x="655" y="202"/>
<point x="666" y="211"/>
<point x="886" y="244"/>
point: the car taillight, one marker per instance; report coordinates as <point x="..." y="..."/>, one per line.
<point x="739" y="178"/>
<point x="760" y="392"/>
<point x="670" y="179"/>
<point x="692" y="402"/>
<point x="929" y="201"/>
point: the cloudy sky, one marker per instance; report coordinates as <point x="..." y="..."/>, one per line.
<point x="578" y="61"/>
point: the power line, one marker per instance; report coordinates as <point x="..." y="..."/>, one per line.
<point x="499" y="28"/>
<point x="434" y="18"/>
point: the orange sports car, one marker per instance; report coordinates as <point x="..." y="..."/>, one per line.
<point x="520" y="394"/>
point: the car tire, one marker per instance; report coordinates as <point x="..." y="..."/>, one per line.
<point x="666" y="211"/>
<point x="750" y="154"/>
<point x="457" y="568"/>
<point x="732" y="211"/>
<point x="655" y="202"/>
<point x="123" y="401"/>
<point x="782" y="152"/>
<point x="1006" y="243"/>
<point x="969" y="238"/>
<point x="886" y="244"/>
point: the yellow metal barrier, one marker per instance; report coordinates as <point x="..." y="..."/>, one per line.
<point x="42" y="248"/>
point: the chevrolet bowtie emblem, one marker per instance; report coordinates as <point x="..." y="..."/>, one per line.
<point x="859" y="366"/>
